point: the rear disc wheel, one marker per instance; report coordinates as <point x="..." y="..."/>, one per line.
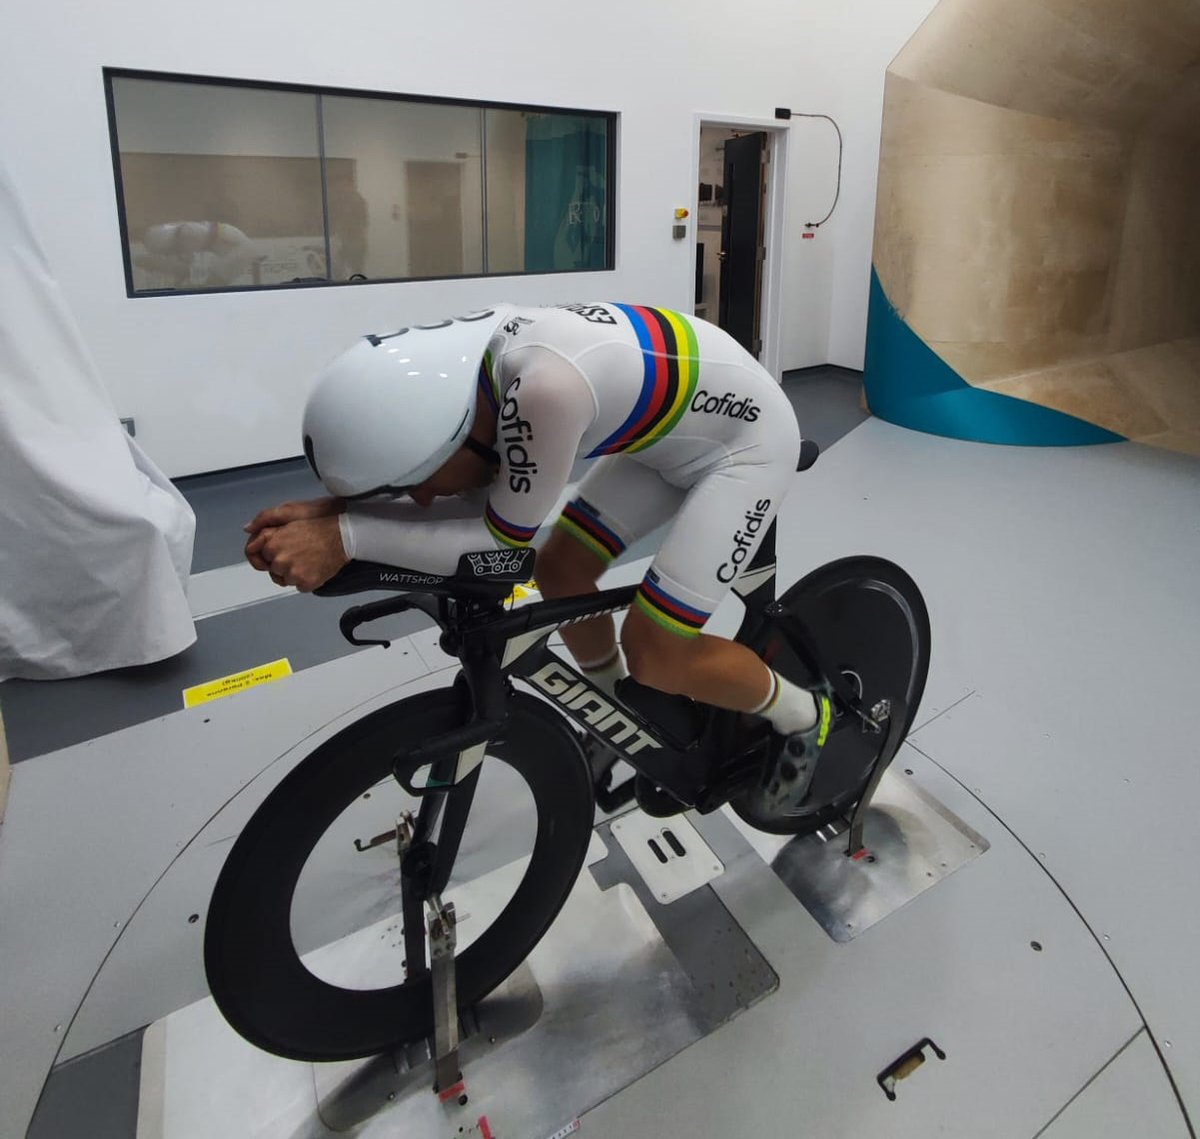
<point x="870" y="623"/>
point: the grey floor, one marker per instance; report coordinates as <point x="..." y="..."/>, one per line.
<point x="1059" y="582"/>
<point x="226" y="500"/>
<point x="94" y="1095"/>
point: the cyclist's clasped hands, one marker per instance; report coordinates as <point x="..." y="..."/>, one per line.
<point x="297" y="543"/>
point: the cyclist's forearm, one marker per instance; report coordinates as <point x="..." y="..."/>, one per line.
<point x="425" y="545"/>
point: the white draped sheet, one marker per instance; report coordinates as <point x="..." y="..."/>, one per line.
<point x="95" y="542"/>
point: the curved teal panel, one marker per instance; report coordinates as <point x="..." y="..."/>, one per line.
<point x="909" y="384"/>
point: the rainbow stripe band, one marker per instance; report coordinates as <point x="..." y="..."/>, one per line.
<point x="666" y="611"/>
<point x="507" y="532"/>
<point x="671" y="365"/>
<point x="578" y="520"/>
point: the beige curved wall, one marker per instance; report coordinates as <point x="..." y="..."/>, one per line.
<point x="1037" y="222"/>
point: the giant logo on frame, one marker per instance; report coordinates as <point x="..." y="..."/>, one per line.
<point x="580" y="697"/>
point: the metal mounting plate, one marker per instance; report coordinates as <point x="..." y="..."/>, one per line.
<point x="668" y="853"/>
<point x="912" y="842"/>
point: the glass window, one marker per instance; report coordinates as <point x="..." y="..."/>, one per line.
<point x="233" y="185"/>
<point x="222" y="185"/>
<point x="405" y="188"/>
<point x="566" y="192"/>
<point x="505" y="135"/>
<point x="547" y="191"/>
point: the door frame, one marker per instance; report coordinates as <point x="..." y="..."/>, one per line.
<point x="774" y="208"/>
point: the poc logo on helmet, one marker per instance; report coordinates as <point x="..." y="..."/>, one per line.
<point x="378" y="338"/>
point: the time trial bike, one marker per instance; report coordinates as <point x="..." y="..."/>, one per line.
<point x="383" y="833"/>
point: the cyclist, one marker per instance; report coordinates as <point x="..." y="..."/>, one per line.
<point x="489" y="413"/>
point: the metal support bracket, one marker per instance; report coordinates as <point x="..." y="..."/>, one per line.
<point x="443" y="938"/>
<point x="410" y="901"/>
<point x="403" y="834"/>
<point x="896" y="713"/>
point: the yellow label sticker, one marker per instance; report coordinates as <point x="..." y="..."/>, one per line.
<point x="238" y="682"/>
<point x="523" y="592"/>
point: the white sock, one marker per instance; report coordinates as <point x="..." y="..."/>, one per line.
<point x="789" y="707"/>
<point x="605" y="673"/>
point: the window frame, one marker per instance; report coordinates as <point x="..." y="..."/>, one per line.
<point x="113" y="73"/>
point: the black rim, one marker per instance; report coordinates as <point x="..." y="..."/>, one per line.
<point x="254" y="969"/>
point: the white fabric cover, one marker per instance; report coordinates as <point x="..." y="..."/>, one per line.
<point x="95" y="542"/>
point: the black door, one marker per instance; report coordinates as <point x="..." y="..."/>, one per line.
<point x="741" y="239"/>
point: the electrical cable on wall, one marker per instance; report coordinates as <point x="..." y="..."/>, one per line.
<point x="838" y="192"/>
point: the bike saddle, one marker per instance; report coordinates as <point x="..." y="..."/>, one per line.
<point x="809" y="450"/>
<point x="486" y="574"/>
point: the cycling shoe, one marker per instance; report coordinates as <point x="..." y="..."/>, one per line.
<point x="795" y="762"/>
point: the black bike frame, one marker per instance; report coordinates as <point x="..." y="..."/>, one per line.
<point x="671" y="740"/>
<point x="698" y="753"/>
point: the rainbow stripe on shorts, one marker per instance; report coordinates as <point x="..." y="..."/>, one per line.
<point x="668" y="611"/>
<point x="671" y="367"/>
<point x="580" y="520"/>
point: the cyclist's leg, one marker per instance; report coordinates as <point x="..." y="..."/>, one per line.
<point x="714" y="537"/>
<point x="618" y="502"/>
<point x="715" y="534"/>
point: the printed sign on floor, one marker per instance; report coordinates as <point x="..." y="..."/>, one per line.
<point x="238" y="682"/>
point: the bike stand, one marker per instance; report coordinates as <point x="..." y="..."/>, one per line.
<point x="442" y="924"/>
<point x="443" y="938"/>
<point x="897" y="715"/>
<point x="622" y="982"/>
<point x="915" y="842"/>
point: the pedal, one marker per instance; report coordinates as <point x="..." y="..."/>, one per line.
<point x="656" y="802"/>
<point x="610" y="799"/>
<point x="601" y="759"/>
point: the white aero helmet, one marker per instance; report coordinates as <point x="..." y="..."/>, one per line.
<point x="386" y="413"/>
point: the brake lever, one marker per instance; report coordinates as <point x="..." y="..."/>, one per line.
<point x="350" y="621"/>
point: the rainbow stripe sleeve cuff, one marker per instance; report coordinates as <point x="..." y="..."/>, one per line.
<point x="578" y="520"/>
<point x="507" y="532"/>
<point x="669" y="612"/>
<point x="487" y="382"/>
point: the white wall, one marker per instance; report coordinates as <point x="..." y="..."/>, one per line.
<point x="218" y="381"/>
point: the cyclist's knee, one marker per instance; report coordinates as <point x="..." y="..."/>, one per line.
<point x="565" y="566"/>
<point x="654" y="657"/>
